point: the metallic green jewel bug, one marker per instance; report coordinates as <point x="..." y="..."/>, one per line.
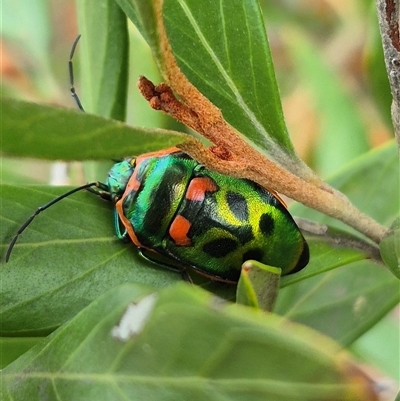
<point x="166" y="203"/>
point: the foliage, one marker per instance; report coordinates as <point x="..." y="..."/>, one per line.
<point x="66" y="261"/>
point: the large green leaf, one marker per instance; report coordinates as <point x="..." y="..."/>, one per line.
<point x="11" y="348"/>
<point x="32" y="130"/>
<point x="346" y="302"/>
<point x="66" y="258"/>
<point x="104" y="64"/>
<point x="343" y="303"/>
<point x="380" y="346"/>
<point x="232" y="64"/>
<point x="371" y="182"/>
<point x="142" y="14"/>
<point x="184" y="345"/>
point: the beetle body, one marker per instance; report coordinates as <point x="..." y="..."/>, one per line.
<point x="168" y="203"/>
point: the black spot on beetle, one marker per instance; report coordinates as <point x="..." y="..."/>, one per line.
<point x="245" y="234"/>
<point x="238" y="205"/>
<point x="219" y="248"/>
<point x="266" y="224"/>
<point x="253" y="254"/>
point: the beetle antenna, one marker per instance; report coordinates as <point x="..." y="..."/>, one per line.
<point x="71" y="74"/>
<point x="44" y="207"/>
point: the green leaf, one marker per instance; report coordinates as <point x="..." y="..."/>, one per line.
<point x="32" y="130"/>
<point x="232" y="64"/>
<point x="371" y="348"/>
<point x="104" y="58"/>
<point x="172" y="355"/>
<point x="258" y="285"/>
<point x="347" y="301"/>
<point x="11" y="348"/>
<point x="330" y="249"/>
<point x="142" y="14"/>
<point x="67" y="257"/>
<point x="371" y="182"/>
<point x="343" y="303"/>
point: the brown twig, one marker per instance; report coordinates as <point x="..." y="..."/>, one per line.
<point x="241" y="160"/>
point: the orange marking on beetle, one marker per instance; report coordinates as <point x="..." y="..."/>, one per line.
<point x="179" y="229"/>
<point x="157" y="153"/>
<point x="277" y="197"/>
<point x="134" y="183"/>
<point x="198" y="187"/>
<point x="127" y="224"/>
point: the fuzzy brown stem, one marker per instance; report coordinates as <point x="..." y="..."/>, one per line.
<point x="284" y="182"/>
<point x="198" y="111"/>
